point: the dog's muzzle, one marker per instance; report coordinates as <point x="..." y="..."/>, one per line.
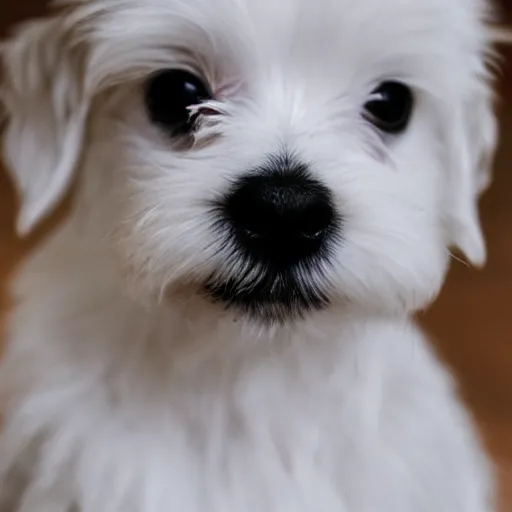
<point x="280" y="226"/>
<point x="280" y="218"/>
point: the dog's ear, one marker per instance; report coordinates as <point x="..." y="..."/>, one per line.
<point x="473" y="136"/>
<point x="45" y="111"/>
<point x="471" y="147"/>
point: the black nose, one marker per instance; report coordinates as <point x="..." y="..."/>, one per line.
<point x="282" y="216"/>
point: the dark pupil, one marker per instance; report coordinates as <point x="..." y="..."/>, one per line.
<point x="391" y="106"/>
<point x="169" y="94"/>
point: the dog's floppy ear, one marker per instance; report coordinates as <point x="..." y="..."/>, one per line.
<point x="472" y="140"/>
<point x="473" y="136"/>
<point x="471" y="146"/>
<point x="45" y="112"/>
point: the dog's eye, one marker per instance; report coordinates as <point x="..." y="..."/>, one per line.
<point x="169" y="94"/>
<point x="390" y="107"/>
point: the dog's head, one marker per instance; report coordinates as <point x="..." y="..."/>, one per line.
<point x="277" y="156"/>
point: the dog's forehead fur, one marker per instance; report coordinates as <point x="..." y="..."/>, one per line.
<point x="244" y="38"/>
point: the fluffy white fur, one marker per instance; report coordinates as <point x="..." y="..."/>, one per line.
<point x="125" y="390"/>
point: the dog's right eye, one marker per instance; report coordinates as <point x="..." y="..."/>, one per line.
<point x="390" y="107"/>
<point x="169" y="96"/>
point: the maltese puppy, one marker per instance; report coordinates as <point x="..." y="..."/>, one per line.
<point x="264" y="192"/>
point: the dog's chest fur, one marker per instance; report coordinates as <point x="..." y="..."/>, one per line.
<point x="122" y="410"/>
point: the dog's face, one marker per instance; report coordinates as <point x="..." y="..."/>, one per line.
<point x="277" y="156"/>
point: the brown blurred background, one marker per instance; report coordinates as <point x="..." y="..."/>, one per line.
<point x="472" y="320"/>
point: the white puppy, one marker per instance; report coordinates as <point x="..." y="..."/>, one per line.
<point x="266" y="192"/>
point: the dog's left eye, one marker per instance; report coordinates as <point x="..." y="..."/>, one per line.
<point x="169" y="94"/>
<point x="390" y="107"/>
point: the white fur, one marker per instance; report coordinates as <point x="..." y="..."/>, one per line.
<point x="125" y="390"/>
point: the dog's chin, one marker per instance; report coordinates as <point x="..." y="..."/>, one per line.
<point x="271" y="298"/>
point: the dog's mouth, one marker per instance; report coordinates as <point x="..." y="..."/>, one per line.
<point x="278" y="229"/>
<point x="269" y="297"/>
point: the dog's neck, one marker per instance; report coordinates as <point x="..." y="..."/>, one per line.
<point x="182" y="365"/>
